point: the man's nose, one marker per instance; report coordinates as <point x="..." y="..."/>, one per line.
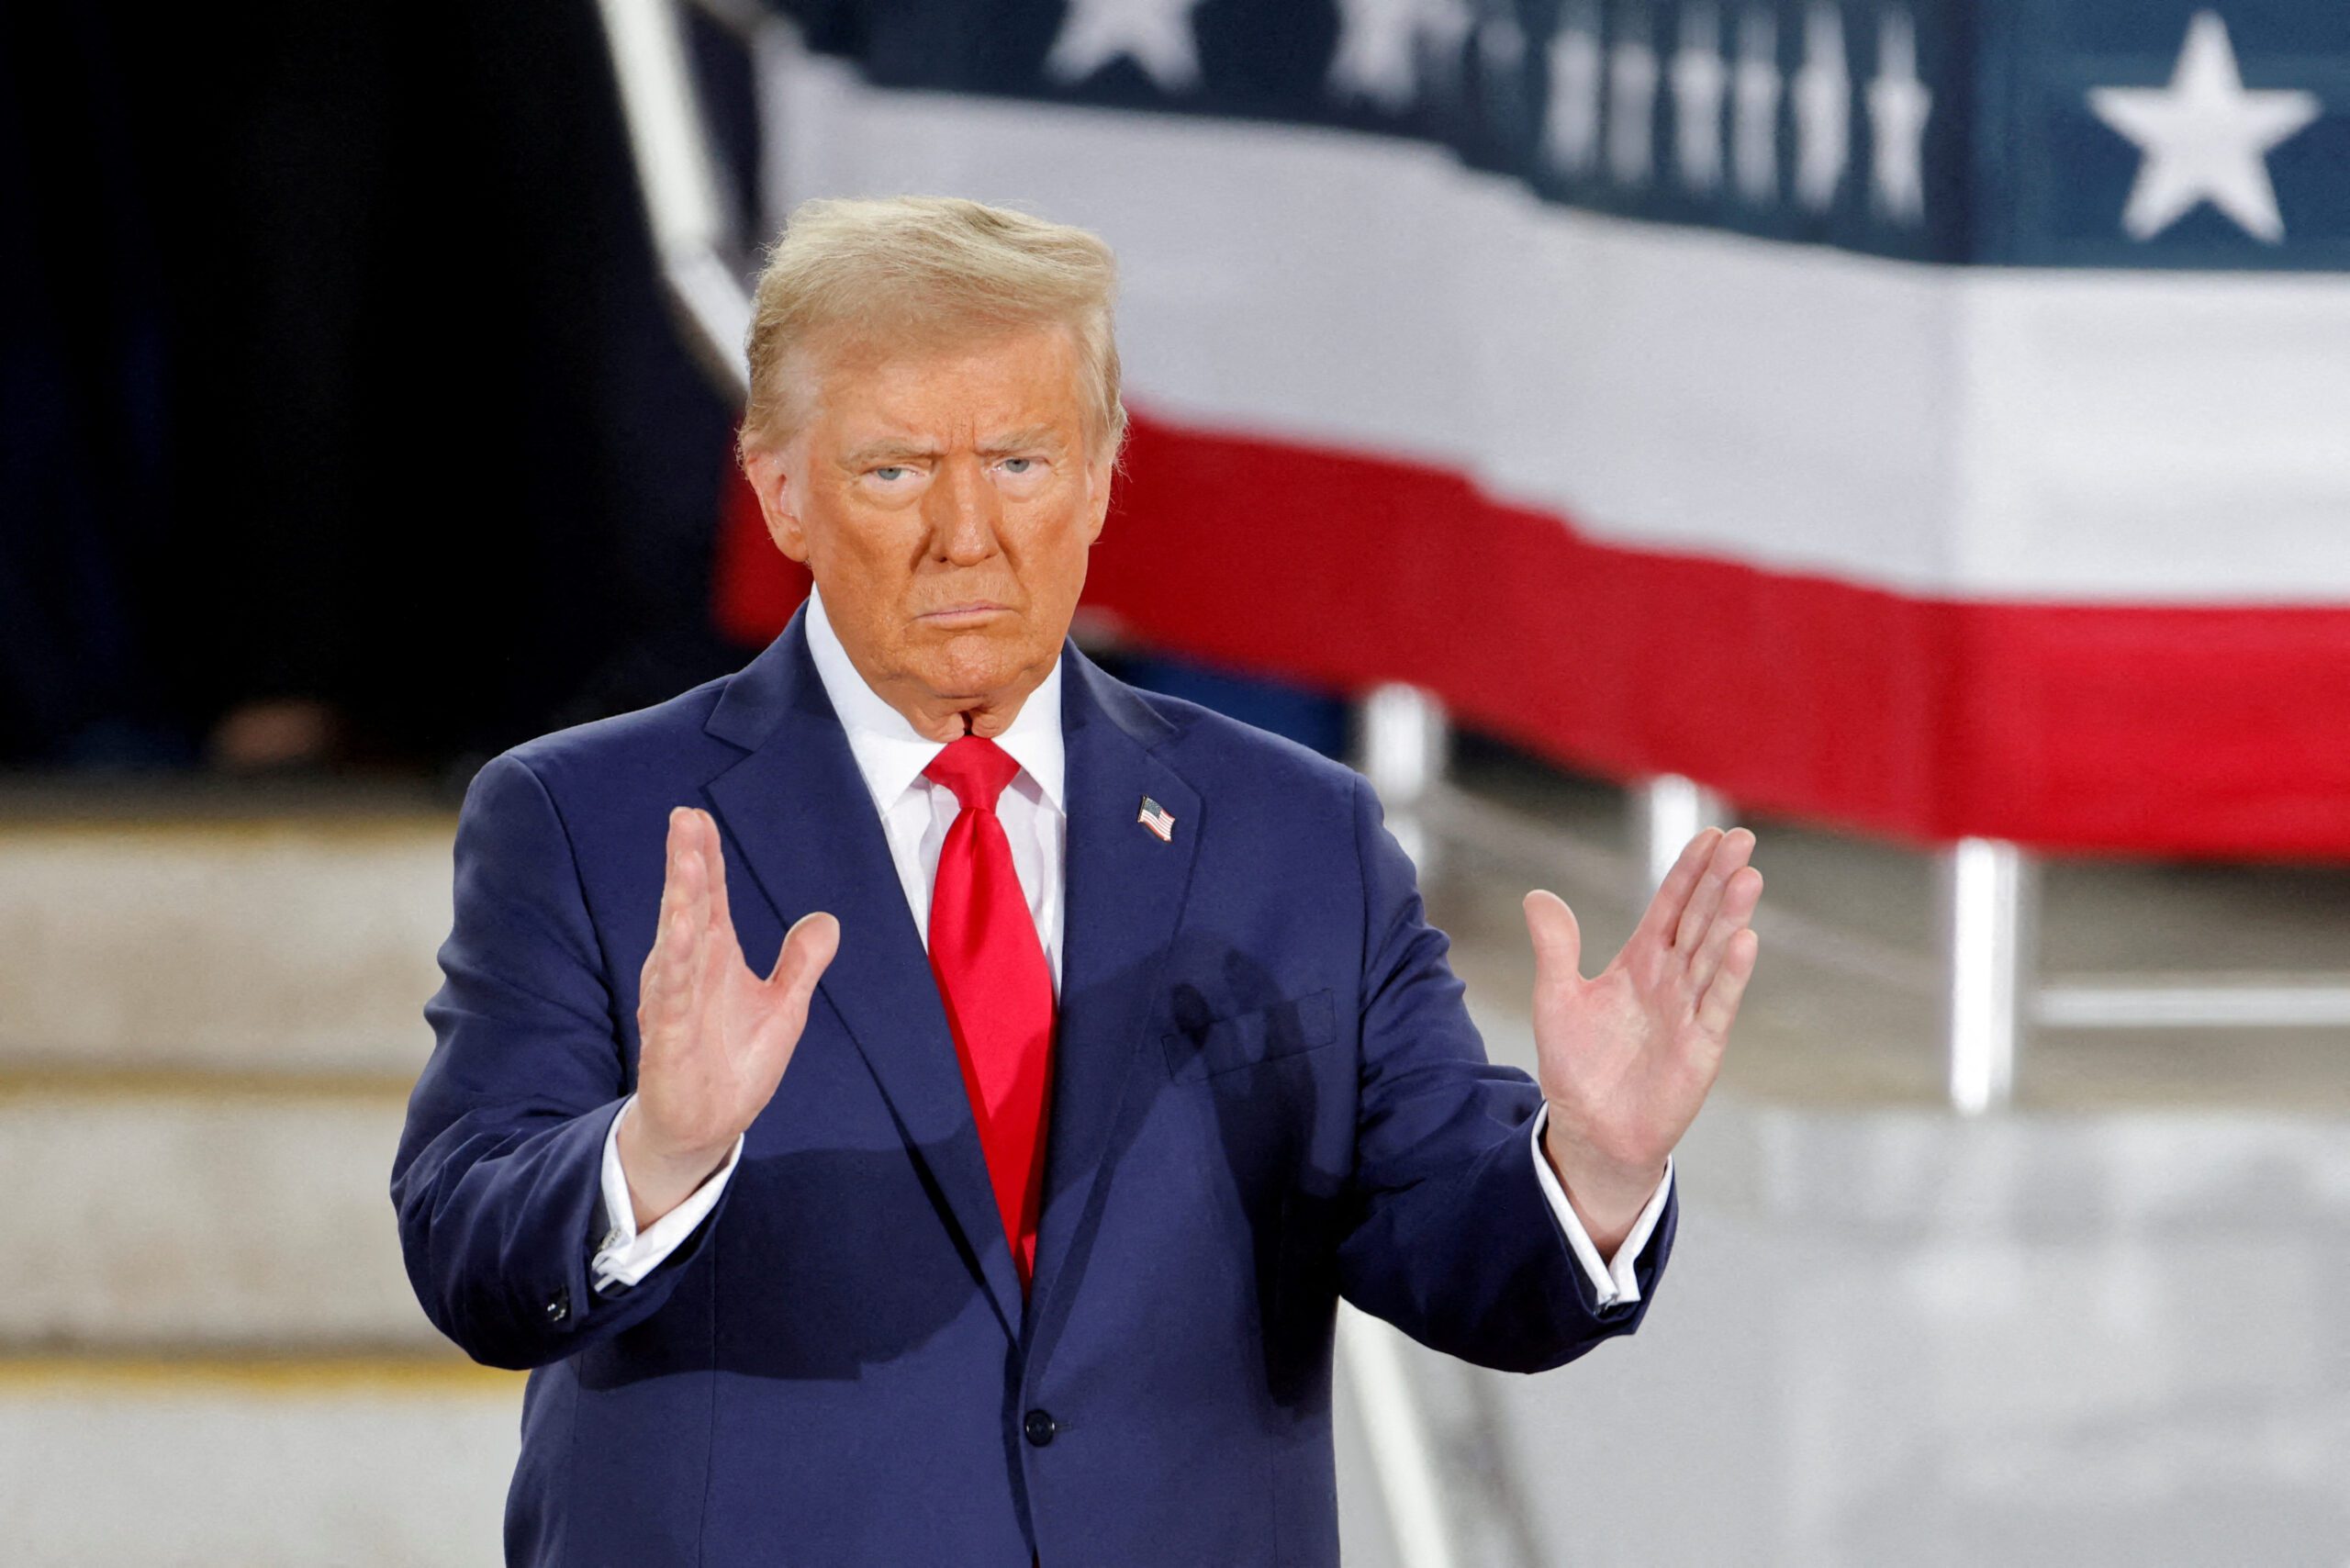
<point x="963" y="512"/>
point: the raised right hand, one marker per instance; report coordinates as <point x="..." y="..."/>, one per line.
<point x="713" y="1037"/>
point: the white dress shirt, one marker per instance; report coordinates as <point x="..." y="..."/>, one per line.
<point x="915" y="814"/>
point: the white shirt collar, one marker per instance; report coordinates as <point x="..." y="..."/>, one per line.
<point x="891" y="753"/>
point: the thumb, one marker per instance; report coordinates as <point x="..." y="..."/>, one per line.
<point x="1557" y="940"/>
<point x="808" y="949"/>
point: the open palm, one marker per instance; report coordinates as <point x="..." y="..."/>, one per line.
<point x="713" y="1036"/>
<point x="1625" y="1059"/>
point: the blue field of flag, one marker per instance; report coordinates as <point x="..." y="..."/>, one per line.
<point x="2090" y="134"/>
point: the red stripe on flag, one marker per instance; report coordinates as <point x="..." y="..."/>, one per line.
<point x="2202" y="732"/>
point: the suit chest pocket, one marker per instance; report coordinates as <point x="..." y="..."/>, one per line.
<point x="1245" y="1039"/>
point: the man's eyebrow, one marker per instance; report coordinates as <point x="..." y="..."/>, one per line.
<point x="1034" y="435"/>
<point x="873" y="451"/>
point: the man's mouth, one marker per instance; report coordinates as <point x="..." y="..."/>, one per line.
<point x="968" y="610"/>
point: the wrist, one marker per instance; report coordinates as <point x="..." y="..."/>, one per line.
<point x="1607" y="1193"/>
<point x="660" y="1179"/>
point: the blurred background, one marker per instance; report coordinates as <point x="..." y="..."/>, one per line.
<point x="1916" y="428"/>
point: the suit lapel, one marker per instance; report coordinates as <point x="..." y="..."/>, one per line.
<point x="1124" y="892"/>
<point x="797" y="811"/>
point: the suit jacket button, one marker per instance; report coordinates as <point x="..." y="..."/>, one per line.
<point x="559" y="1305"/>
<point x="1039" y="1427"/>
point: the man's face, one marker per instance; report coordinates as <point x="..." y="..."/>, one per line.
<point x="943" y="501"/>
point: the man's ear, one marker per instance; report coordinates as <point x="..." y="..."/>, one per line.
<point x="1098" y="476"/>
<point x="764" y="466"/>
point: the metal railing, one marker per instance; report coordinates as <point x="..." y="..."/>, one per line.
<point x="1985" y="975"/>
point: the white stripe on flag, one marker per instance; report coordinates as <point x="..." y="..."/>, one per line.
<point x="1999" y="434"/>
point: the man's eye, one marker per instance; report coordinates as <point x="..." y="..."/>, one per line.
<point x="887" y="469"/>
<point x="1027" y="460"/>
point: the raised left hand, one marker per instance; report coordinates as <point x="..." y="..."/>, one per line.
<point x="1626" y="1059"/>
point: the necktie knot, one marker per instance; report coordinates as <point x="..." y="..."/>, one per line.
<point x="975" y="768"/>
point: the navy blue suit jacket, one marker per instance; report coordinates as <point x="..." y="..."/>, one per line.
<point x="1266" y="1093"/>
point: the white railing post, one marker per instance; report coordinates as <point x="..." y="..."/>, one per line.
<point x="686" y="206"/>
<point x="1987" y="933"/>
<point x="1669" y="810"/>
<point x="1405" y="743"/>
<point x="1403" y="1455"/>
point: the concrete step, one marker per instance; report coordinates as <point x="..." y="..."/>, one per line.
<point x="341" y="1462"/>
<point x="156" y="1208"/>
<point x="160" y="1210"/>
<point x="303" y="944"/>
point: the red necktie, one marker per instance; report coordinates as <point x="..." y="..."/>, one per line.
<point x="998" y="990"/>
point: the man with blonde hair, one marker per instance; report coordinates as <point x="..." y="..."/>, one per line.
<point x="1105" y="1046"/>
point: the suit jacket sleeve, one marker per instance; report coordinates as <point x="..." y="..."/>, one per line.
<point x="497" y="1177"/>
<point x="1451" y="1238"/>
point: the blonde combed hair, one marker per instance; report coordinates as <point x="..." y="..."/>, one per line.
<point x="890" y="272"/>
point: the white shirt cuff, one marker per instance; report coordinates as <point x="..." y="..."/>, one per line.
<point x="1614" y="1280"/>
<point x="627" y="1257"/>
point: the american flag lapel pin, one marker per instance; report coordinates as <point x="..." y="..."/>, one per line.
<point x="1158" y="819"/>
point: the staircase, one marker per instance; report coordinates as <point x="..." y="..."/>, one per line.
<point x="210" y="1354"/>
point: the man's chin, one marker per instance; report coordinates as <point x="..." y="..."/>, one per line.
<point x="978" y="668"/>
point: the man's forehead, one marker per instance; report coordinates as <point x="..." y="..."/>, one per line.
<point x="1044" y="355"/>
<point x="966" y="393"/>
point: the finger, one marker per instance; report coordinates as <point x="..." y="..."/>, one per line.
<point x="1721" y="1006"/>
<point x="662" y="995"/>
<point x="665" y="925"/>
<point x="713" y="853"/>
<point x="1706" y="897"/>
<point x="1558" y="939"/>
<point x="668" y="893"/>
<point x="1738" y="899"/>
<point x="1673" y="894"/>
<point x="808" y="949"/>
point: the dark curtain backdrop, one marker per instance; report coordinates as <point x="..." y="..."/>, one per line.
<point x="335" y="365"/>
